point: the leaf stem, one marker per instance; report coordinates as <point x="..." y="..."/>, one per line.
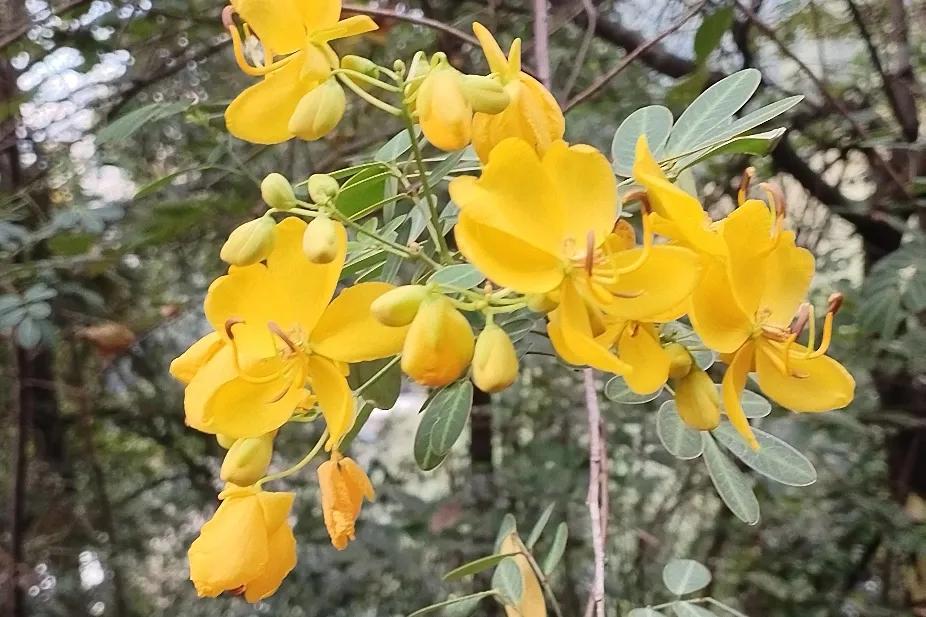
<point x="295" y="468"/>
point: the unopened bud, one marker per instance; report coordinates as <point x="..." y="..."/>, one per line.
<point x="277" y="192"/>
<point x="495" y="361"/>
<point x="679" y="360"/>
<point x="323" y="188"/>
<point x="249" y="243"/>
<point x="697" y="400"/>
<point x="439" y="344"/>
<point x="320" y="240"/>
<point x="485" y="94"/>
<point x="319" y="111"/>
<point x="398" y="307"/>
<point x="360" y="65"/>
<point x="541" y="303"/>
<point x="444" y="111"/>
<point x="247" y="460"/>
<point x="416" y="73"/>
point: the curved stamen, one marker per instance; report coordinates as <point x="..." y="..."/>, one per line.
<point x="276" y="329"/>
<point x="824" y="340"/>
<point x="785" y="370"/>
<point x="647" y="247"/>
<point x="800" y="321"/>
<point x="777" y="200"/>
<point x="238" y="49"/>
<point x="748" y="174"/>
<point x="589" y="252"/>
<point x="231" y="323"/>
<point x="786" y="352"/>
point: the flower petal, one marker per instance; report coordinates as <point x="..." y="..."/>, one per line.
<point x="714" y="312"/>
<point x="498" y="63"/>
<point x="640" y="348"/>
<point x="334" y="397"/>
<point x="184" y="367"/>
<point x="348" y="332"/>
<point x="352" y="26"/>
<point x="734" y="382"/>
<point x="272" y="21"/>
<point x="747" y="232"/>
<point x="319" y="14"/>
<point x="666" y="279"/>
<point x="248" y="295"/>
<point x="281" y="549"/>
<point x="789" y="272"/>
<point x="261" y="113"/>
<point x="815" y="385"/>
<point x="505" y="258"/>
<point x="585" y="180"/>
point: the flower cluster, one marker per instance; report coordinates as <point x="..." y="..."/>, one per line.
<point x="543" y="223"/>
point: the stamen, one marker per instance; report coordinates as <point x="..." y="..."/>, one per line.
<point x="229" y="324"/>
<point x="784" y="370"/>
<point x="627" y="295"/>
<point x="238" y="49"/>
<point x="589" y="252"/>
<point x="647" y="247"/>
<point x="748" y="174"/>
<point x="825" y="339"/>
<point x="276" y="329"/>
<point x="800" y="321"/>
<point x="834" y="302"/>
<point x="786" y="353"/>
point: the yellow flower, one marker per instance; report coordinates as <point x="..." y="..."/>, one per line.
<point x="444" y="111"/>
<point x="279" y="339"/>
<point x="495" y="361"/>
<point x="319" y="111"/>
<point x="247" y="460"/>
<point x="250" y="242"/>
<point x="532" y="114"/>
<point x="343" y="486"/>
<point x="545" y="225"/>
<point x="744" y="306"/>
<point x="439" y="345"/>
<point x="697" y="400"/>
<point x="247" y="547"/>
<point x="300" y="32"/>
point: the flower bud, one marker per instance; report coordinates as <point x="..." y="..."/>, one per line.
<point x="361" y="65"/>
<point x="323" y="188"/>
<point x="225" y="441"/>
<point x="485" y="94"/>
<point x="418" y="70"/>
<point x="320" y="240"/>
<point x="439" y="344"/>
<point x="697" y="400"/>
<point x="495" y="361"/>
<point x="247" y="460"/>
<point x="277" y="192"/>
<point x="444" y="112"/>
<point x="679" y="360"/>
<point x="249" y="243"/>
<point x="541" y="303"/>
<point x="398" y="307"/>
<point x="319" y="111"/>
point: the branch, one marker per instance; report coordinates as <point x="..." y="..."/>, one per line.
<point x="595" y="454"/>
<point x="639" y="50"/>
<point x="542" y="42"/>
<point x="591" y="16"/>
<point x="412" y="19"/>
<point x="19" y="30"/>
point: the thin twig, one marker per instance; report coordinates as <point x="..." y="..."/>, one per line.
<point x="602" y="81"/>
<point x="591" y="16"/>
<point x="541" y="577"/>
<point x="593" y="500"/>
<point x="542" y="42"/>
<point x="412" y="19"/>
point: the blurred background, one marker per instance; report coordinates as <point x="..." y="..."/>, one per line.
<point x="118" y="185"/>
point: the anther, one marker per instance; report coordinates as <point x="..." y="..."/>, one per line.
<point x="231" y="323"/>
<point x="227" y="13"/>
<point x="775" y="197"/>
<point x="276" y="329"/>
<point x="800" y="321"/>
<point x="834" y="302"/>
<point x="589" y="252"/>
<point x="745" y="181"/>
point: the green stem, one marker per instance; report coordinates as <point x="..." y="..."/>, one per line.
<point x="350" y="73"/>
<point x="369" y="98"/>
<point x="434" y="607"/>
<point x="434" y="221"/>
<point x="295" y="468"/>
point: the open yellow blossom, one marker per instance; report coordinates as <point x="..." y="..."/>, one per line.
<point x="532" y="113"/>
<point x="247" y="547"/>
<point x="744" y="308"/>
<point x="343" y="487"/>
<point x="299" y="33"/>
<point x="279" y="340"/>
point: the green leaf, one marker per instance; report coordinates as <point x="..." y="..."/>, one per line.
<point x="681" y="576"/>
<point x="537" y="531"/>
<point x="71" y="243"/>
<point x="384" y="391"/>
<point x="125" y="126"/>
<point x="463" y="608"/>
<point x="440" y="171"/>
<point x="682" y="334"/>
<point x="775" y="459"/>
<point x="363" y="414"/>
<point x="644" y="612"/>
<point x="159" y="183"/>
<point x="654" y="121"/>
<point x="557" y="549"/>
<point x="28" y="333"/>
<point x="452" y="601"/>
<point x="442" y="421"/>
<point x="754" y="405"/>
<point x="361" y="191"/>
<point x="394" y="148"/>
<point x="463" y="276"/>
<point x="507" y="580"/>
<point x="680" y="440"/>
<point x="687" y="609"/>
<point x="518" y="328"/>
<point x="711" y="31"/>
<point x="508" y="525"/>
<point x="712" y="109"/>
<point x="751" y="120"/>
<point x="618" y="391"/>
<point x="732" y="486"/>
<point x="475" y="566"/>
<point x="756" y="145"/>
<point x="688" y="88"/>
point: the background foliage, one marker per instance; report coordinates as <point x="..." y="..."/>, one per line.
<point x="113" y="210"/>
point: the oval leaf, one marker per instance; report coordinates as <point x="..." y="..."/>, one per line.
<point x="775" y="459"/>
<point x="754" y="404"/>
<point x="475" y="566"/>
<point x="442" y="421"/>
<point x="680" y="440"/>
<point x="732" y="486"/>
<point x="463" y="276"/>
<point x="617" y="390"/>
<point x="654" y="121"/>
<point x="713" y="108"/>
<point x="557" y="549"/>
<point x="507" y="580"/>
<point x="682" y="576"/>
<point x="687" y="609"/>
<point x="381" y="381"/>
<point x="539" y="525"/>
